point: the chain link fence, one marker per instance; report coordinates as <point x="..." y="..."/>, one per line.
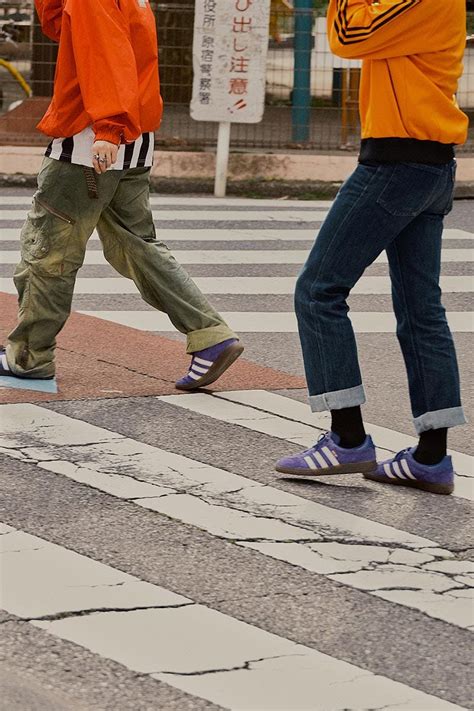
<point x="27" y="61"/>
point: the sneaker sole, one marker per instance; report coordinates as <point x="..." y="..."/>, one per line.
<point x="10" y="374"/>
<point x="423" y="485"/>
<point x="355" y="468"/>
<point x="224" y="362"/>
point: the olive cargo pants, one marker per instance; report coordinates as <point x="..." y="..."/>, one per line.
<point x="69" y="204"/>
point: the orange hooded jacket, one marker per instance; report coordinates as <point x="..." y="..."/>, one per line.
<point x="107" y="68"/>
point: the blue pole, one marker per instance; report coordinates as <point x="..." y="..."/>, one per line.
<point x="301" y="101"/>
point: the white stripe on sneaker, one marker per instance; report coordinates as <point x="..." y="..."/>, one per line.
<point x="387" y="471"/>
<point x="3" y="360"/>
<point x="398" y="471"/>
<point x="330" y="456"/>
<point x="309" y="461"/>
<point x="201" y="361"/>
<point x="320" y="460"/>
<point x="194" y="376"/>
<point x="407" y="469"/>
<point x="198" y="369"/>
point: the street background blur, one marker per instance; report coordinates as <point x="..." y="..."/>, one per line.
<point x="324" y="120"/>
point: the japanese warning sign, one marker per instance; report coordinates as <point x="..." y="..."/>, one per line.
<point x="229" y="58"/>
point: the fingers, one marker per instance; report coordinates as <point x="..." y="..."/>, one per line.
<point x="104" y="155"/>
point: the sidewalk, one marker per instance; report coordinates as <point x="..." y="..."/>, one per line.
<point x="291" y="174"/>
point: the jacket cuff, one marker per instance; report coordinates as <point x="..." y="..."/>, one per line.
<point x="108" y="132"/>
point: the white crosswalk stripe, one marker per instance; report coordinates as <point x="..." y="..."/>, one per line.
<point x="275" y="322"/>
<point x="247" y="285"/>
<point x="242" y="256"/>
<point x="145" y="627"/>
<point x="297" y="215"/>
<point x="214" y="216"/>
<point x="12" y="234"/>
<point x="273" y="522"/>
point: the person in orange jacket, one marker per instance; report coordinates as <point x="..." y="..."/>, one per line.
<point x="396" y="200"/>
<point x="95" y="175"/>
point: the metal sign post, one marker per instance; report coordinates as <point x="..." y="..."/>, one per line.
<point x="229" y="60"/>
<point x="222" y="158"/>
<point x="301" y="111"/>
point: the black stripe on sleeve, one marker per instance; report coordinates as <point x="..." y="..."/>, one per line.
<point x="394" y="10"/>
<point x="143" y="150"/>
<point x="128" y="155"/>
<point x="352" y="35"/>
<point x="49" y="149"/>
<point x="67" y="149"/>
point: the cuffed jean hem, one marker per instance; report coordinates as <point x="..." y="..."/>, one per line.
<point x="450" y="417"/>
<point x="207" y="337"/>
<point x="336" y="400"/>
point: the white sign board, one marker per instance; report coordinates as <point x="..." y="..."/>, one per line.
<point x="229" y="59"/>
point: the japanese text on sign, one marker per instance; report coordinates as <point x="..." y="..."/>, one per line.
<point x="229" y="56"/>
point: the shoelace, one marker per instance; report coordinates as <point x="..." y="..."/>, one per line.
<point x="401" y="454"/>
<point x="323" y="436"/>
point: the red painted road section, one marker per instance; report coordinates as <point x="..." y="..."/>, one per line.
<point x="100" y="359"/>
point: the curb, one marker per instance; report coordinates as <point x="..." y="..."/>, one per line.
<point x="277" y="189"/>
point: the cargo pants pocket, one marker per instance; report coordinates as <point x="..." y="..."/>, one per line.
<point x="45" y="237"/>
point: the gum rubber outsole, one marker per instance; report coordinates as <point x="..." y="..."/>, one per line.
<point x="219" y="367"/>
<point x="352" y="468"/>
<point x="412" y="483"/>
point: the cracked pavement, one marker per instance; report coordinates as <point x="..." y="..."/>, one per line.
<point x="157" y="563"/>
<point x="370" y="557"/>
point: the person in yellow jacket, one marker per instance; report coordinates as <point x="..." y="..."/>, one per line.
<point x="396" y="200"/>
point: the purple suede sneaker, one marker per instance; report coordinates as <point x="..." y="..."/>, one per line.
<point x="327" y="457"/>
<point x="404" y="470"/>
<point x="209" y="364"/>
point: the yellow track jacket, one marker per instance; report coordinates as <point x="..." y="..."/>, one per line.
<point x="412" y="52"/>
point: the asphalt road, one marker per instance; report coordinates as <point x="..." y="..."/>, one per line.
<point x="154" y="560"/>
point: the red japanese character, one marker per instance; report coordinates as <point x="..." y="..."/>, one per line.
<point x="241" y="24"/>
<point x="238" y="86"/>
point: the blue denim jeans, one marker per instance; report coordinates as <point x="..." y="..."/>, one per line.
<point x="398" y="208"/>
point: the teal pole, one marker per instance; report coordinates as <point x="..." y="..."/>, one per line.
<point x="301" y="98"/>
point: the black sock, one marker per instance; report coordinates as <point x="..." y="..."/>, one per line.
<point x="432" y="446"/>
<point x="347" y="423"/>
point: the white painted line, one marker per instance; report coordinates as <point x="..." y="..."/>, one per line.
<point x="243" y="256"/>
<point x="291" y="420"/>
<point x="41" y="578"/>
<point x="246" y="285"/>
<point x="182" y="215"/>
<point x="227" y="661"/>
<point x="187" y="203"/>
<point x="16" y="200"/>
<point x="9" y="234"/>
<point x="301" y="532"/>
<point x="457" y="234"/>
<point x="275" y="322"/>
<point x="193" y="491"/>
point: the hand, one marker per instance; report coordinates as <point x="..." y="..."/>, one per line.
<point x="104" y="155"/>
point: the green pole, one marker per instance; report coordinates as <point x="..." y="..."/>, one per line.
<point x="301" y="100"/>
